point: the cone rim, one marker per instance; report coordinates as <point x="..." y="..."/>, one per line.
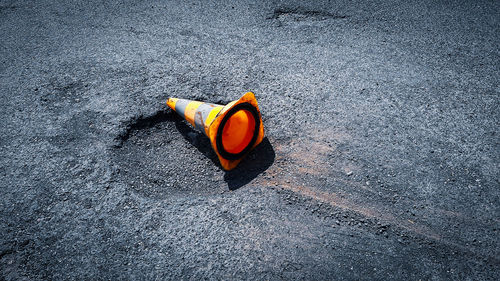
<point x="218" y="138"/>
<point x="212" y="129"/>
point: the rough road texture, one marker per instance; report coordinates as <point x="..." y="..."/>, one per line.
<point x="381" y="159"/>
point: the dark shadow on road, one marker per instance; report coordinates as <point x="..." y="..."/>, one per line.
<point x="197" y="139"/>
<point x="259" y="160"/>
<point x="256" y="162"/>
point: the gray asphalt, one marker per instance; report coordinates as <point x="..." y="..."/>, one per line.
<point x="381" y="157"/>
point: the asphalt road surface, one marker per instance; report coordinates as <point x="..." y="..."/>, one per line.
<point x="380" y="162"/>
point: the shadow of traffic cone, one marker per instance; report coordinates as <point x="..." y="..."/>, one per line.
<point x="234" y="129"/>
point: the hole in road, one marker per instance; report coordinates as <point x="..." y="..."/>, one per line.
<point x="161" y="155"/>
<point x="156" y="158"/>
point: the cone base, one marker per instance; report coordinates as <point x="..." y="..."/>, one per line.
<point x="236" y="144"/>
<point x="224" y="149"/>
<point x="238" y="131"/>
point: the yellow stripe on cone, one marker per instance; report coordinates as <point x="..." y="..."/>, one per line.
<point x="234" y="129"/>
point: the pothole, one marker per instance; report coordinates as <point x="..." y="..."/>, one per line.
<point x="157" y="157"/>
<point x="161" y="155"/>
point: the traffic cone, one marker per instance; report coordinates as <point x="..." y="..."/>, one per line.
<point x="233" y="130"/>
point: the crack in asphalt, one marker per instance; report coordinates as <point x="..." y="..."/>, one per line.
<point x="301" y="14"/>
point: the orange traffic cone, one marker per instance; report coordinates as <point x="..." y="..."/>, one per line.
<point x="233" y="130"/>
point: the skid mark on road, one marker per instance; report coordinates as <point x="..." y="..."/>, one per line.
<point x="342" y="202"/>
<point x="313" y="156"/>
<point x="318" y="157"/>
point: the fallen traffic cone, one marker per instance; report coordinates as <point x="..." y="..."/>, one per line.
<point x="233" y="130"/>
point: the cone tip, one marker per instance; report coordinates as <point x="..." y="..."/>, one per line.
<point x="171" y="103"/>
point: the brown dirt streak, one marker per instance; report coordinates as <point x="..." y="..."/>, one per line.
<point x="346" y="204"/>
<point x="300" y="154"/>
<point x="307" y="156"/>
